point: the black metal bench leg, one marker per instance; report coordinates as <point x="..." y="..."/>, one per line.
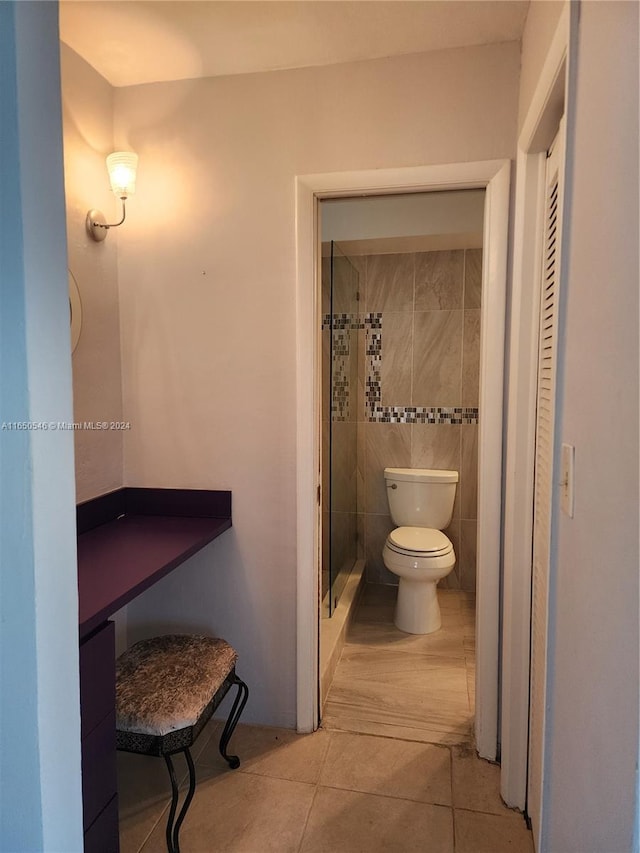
<point x="238" y="707"/>
<point x="173" y="829"/>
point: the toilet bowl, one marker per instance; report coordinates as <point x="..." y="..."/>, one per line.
<point x="419" y="554"/>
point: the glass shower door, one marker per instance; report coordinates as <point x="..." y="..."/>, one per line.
<point x="342" y="392"/>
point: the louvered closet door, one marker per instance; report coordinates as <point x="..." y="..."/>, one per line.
<point x="543" y="484"/>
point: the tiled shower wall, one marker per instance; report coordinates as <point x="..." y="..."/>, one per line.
<point x="418" y="403"/>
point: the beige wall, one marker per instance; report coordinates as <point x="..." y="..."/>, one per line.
<point x="87" y="101"/>
<point x="207" y="289"/>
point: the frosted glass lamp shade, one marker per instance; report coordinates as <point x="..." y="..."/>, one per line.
<point x="122" y="166"/>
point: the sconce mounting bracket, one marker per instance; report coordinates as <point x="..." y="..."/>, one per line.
<point x="97" y="225"/>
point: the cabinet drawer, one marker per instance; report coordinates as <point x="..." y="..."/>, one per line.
<point x="99" y="771"/>
<point x="97" y="677"/>
<point x="102" y="835"/>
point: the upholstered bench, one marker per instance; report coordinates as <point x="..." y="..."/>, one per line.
<point x="167" y="688"/>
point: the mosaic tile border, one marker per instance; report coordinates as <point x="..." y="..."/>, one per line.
<point x="375" y="412"/>
<point x="424" y="415"/>
<point x="352" y="322"/>
<point x="341" y="325"/>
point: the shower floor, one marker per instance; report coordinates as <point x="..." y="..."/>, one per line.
<point x="414" y="687"/>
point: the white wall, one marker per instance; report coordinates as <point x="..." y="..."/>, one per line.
<point x="207" y="298"/>
<point x="87" y="101"/>
<point x="592" y="748"/>
<point x="40" y="791"/>
<point x="542" y="20"/>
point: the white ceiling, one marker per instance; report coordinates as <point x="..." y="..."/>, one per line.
<point x="144" y="41"/>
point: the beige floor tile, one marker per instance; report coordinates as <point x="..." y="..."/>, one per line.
<point x="383" y="702"/>
<point x="242" y="813"/>
<point x="144" y="793"/>
<point x="144" y="789"/>
<point x="460" y="733"/>
<point x="469" y="644"/>
<point x="457" y="620"/>
<point x="486" y="833"/>
<point x="476" y="783"/>
<point x="468" y="600"/>
<point x="350" y="822"/>
<point x="471" y="690"/>
<point x="376" y="777"/>
<point x="381" y="611"/>
<point x="441" y="642"/>
<point x="268" y="751"/>
<point x="376" y="765"/>
<point x="403" y="685"/>
<point x="377" y="593"/>
<point x="407" y="669"/>
<point x="450" y="599"/>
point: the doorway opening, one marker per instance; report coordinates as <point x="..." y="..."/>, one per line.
<point x="493" y="177"/>
<point x="400" y="318"/>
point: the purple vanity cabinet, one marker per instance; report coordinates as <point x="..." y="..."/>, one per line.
<point x="97" y="702"/>
<point x="127" y="541"/>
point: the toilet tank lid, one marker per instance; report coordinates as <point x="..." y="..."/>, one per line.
<point x="421" y="475"/>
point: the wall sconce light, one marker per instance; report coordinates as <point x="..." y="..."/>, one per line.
<point x="121" y="166"/>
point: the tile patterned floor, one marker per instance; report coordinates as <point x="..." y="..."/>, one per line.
<point x="394" y="783"/>
<point x="412" y="686"/>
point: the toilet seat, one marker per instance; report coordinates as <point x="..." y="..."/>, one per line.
<point x="424" y="541"/>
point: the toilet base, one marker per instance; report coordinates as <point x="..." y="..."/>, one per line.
<point x="417" y="608"/>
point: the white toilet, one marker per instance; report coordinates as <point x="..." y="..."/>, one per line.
<point x="421" y="504"/>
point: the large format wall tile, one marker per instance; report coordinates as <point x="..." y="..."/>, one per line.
<point x="345" y="286"/>
<point x="453" y="579"/>
<point x="397" y="350"/>
<point x="439" y="280"/>
<point x="326" y="549"/>
<point x="438" y="446"/>
<point x="468" y="537"/>
<point x="389" y="283"/>
<point x="473" y="278"/>
<point x="344" y="466"/>
<point x="360" y="265"/>
<point x="376" y="530"/>
<point x="387" y="446"/>
<point x="326" y="470"/>
<point x="471" y="359"/>
<point x="429" y="357"/>
<point x="469" y="471"/>
<point x="437" y="358"/>
<point x="435" y="446"/>
<point x="361" y="467"/>
<point x="344" y="543"/>
<point x="325" y="277"/>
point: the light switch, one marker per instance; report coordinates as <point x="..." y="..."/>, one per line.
<point x="567" y="460"/>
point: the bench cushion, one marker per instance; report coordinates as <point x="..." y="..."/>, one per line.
<point x="165" y="683"/>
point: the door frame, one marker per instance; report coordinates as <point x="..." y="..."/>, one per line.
<point x="538" y="131"/>
<point x="492" y="176"/>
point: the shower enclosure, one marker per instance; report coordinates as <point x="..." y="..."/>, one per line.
<point x="342" y="393"/>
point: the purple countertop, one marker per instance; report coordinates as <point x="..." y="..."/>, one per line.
<point x="131" y="538"/>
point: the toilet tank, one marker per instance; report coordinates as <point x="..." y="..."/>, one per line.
<point x="421" y="497"/>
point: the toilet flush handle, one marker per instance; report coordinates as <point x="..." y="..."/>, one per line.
<point x="393" y="486"/>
